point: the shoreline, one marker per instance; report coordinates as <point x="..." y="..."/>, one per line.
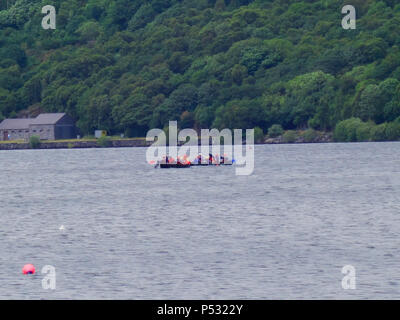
<point x="141" y="143"/>
<point x="76" y="144"/>
<point x="298" y="137"/>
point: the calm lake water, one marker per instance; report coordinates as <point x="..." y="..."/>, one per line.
<point x="135" y="232"/>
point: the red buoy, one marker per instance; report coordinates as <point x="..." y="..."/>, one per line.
<point x="28" y="269"/>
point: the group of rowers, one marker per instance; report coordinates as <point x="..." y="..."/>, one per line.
<point x="211" y="159"/>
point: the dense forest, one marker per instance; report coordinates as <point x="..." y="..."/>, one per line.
<point x="128" y="65"/>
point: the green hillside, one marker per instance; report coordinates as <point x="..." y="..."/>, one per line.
<point x="128" y="66"/>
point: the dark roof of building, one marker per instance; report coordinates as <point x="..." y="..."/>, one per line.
<point x="42" y="119"/>
<point x="15" y="124"/>
<point x="48" y="118"/>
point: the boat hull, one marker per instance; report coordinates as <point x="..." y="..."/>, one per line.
<point x="211" y="164"/>
<point x="179" y="166"/>
<point x="173" y="165"/>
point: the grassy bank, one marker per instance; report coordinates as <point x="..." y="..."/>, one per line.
<point x="74" y="143"/>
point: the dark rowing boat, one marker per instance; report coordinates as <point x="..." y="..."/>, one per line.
<point x="180" y="165"/>
<point x="210" y="164"/>
<point x="174" y="165"/>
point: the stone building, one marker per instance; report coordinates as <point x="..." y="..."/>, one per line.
<point x="47" y="126"/>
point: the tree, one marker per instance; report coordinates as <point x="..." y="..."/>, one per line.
<point x="187" y="120"/>
<point x="346" y="131"/>
<point x="390" y="95"/>
<point x="370" y="105"/>
<point x="99" y="113"/>
<point x="238" y="74"/>
<point x="144" y="15"/>
<point x="258" y="135"/>
<point x="275" y="130"/>
<point x="133" y="112"/>
<point x="34" y="142"/>
<point x="204" y="116"/>
<point x="310" y="135"/>
<point x="239" y="114"/>
<point x="220" y="5"/>
<point x="378" y="133"/>
<point x="289" y="136"/>
<point x="311" y="98"/>
<point x="90" y="31"/>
